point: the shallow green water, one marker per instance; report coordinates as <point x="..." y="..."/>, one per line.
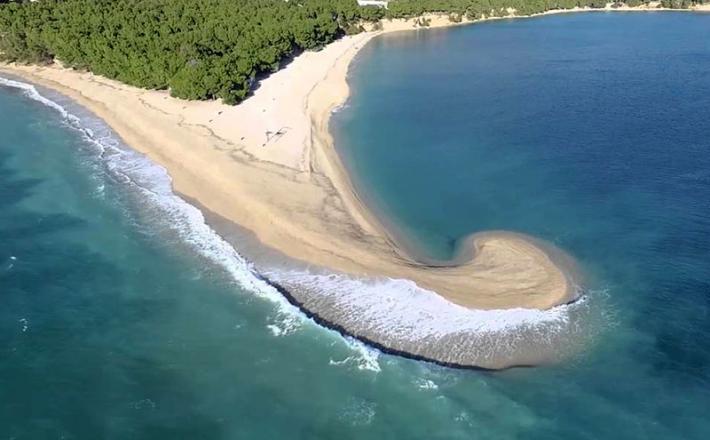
<point x="122" y="316"/>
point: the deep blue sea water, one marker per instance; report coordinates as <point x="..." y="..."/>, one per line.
<point x="123" y="316"/>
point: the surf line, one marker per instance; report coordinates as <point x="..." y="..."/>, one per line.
<point x="371" y="343"/>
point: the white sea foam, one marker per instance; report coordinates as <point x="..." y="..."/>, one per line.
<point x="286" y="323"/>
<point x="339" y="108"/>
<point x="409" y="312"/>
<point x="31" y="92"/>
<point x="426" y="384"/>
<point x="366" y="358"/>
<point x="275" y="329"/>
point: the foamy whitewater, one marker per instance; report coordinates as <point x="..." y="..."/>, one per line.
<point x="395" y="315"/>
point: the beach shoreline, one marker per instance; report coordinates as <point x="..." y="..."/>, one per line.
<point x="270" y="166"/>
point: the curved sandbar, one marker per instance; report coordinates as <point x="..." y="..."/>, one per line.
<point x="269" y="165"/>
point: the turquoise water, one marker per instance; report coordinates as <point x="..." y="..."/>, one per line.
<point x="123" y="316"/>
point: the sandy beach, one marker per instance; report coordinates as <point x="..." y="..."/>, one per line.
<point x="269" y="165"/>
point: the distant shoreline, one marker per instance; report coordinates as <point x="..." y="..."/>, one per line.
<point x="269" y="165"/>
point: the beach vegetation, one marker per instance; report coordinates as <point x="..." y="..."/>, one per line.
<point x="677" y="4"/>
<point x="205" y="49"/>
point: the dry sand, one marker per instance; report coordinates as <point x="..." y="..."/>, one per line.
<point x="269" y="165"/>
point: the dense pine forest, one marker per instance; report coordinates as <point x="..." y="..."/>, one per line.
<point x="207" y="49"/>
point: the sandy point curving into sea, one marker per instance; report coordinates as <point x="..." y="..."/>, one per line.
<point x="269" y="165"/>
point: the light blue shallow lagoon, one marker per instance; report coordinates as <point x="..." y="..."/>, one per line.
<point x="123" y="316"/>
